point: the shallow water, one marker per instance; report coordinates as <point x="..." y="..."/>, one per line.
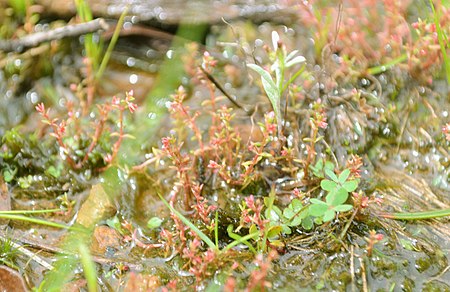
<point x="406" y="161"/>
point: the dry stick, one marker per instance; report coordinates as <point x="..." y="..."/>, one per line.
<point x="35" y="39"/>
<point x="352" y="267"/>
<point x="438" y="276"/>
<point x="142" y="31"/>
<point x="341" y="236"/>
<point x="363" y="275"/>
<point x="217" y="84"/>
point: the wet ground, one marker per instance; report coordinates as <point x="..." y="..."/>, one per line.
<point x="392" y="119"/>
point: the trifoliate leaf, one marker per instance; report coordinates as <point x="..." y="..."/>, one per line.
<point x="331" y="175"/>
<point x="339" y="197"/>
<point x="351" y="185"/>
<point x="343" y="208"/>
<point x="328" y="185"/>
<point x="329" y="215"/>
<point x="317" y="210"/>
<point x="343" y="176"/>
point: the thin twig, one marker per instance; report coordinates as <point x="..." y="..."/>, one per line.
<point x="33" y="40"/>
<point x="439" y="275"/>
<point x="363" y="275"/>
<point x="352" y="267"/>
<point x="341" y="236"/>
<point x="221" y="89"/>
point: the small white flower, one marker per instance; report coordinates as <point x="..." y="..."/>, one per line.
<point x="275" y="40"/>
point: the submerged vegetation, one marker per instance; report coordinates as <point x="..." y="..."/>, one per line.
<point x="307" y="154"/>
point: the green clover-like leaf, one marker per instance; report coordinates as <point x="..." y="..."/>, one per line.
<point x="307" y="223"/>
<point x="274" y="231"/>
<point x="328" y="185"/>
<point x="317" y="202"/>
<point x="331" y="175"/>
<point x="53" y="171"/>
<point x="337" y="198"/>
<point x="295" y="212"/>
<point x="274" y="215"/>
<point x="317" y="169"/>
<point x="350" y="185"/>
<point x="296" y="205"/>
<point x="296" y="221"/>
<point x="344" y="175"/>
<point x="317" y="208"/>
<point x="343" y="208"/>
<point x="288" y="213"/>
<point x="329" y="165"/>
<point x="286" y="229"/>
<point x="329" y="215"/>
<point x="8" y="174"/>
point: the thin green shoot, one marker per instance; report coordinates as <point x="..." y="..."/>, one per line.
<point x="92" y="48"/>
<point x="417" y="215"/>
<point x="244" y="239"/>
<point x="32" y="211"/>
<point x="237" y="239"/>
<point x="36" y="221"/>
<point x="216" y="229"/>
<point x="188" y="223"/>
<point x="384" y="67"/>
<point x="69" y="258"/>
<point x="271" y="89"/>
<point x="8" y="252"/>
<point x="269" y="211"/>
<point x="89" y="270"/>
<point x="241" y="239"/>
<point x="293" y="78"/>
<point x="20" y="6"/>
<point x="442" y="38"/>
<point x="111" y="45"/>
<point x="274" y="88"/>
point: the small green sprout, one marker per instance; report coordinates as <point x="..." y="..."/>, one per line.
<point x="296" y="214"/>
<point x="154" y="222"/>
<point x="338" y="189"/>
<point x="281" y="61"/>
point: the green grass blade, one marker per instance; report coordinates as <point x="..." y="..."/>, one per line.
<point x="418" y="215"/>
<point x="32" y="211"/>
<point x="442" y="42"/>
<point x="240" y="239"/>
<point x="89" y="270"/>
<point x="36" y="221"/>
<point x="111" y="45"/>
<point x="216" y="229"/>
<point x="243" y="239"/>
<point x="189" y="224"/>
<point x="92" y="48"/>
<point x="382" y="68"/>
<point x="292" y="79"/>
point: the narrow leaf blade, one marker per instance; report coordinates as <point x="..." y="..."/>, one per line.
<point x="271" y="89"/>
